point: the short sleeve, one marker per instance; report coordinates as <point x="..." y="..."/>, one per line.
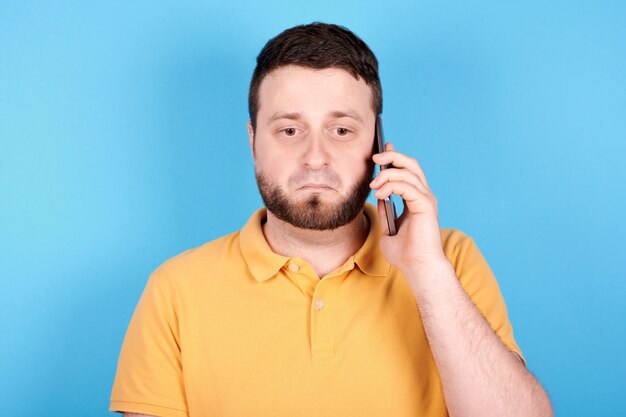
<point x="481" y="285"/>
<point x="149" y="377"/>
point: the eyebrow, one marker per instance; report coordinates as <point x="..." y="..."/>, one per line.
<point x="297" y="116"/>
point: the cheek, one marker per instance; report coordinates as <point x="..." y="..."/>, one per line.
<point x="275" y="166"/>
<point x="266" y="157"/>
<point x="355" y="166"/>
<point x="364" y="158"/>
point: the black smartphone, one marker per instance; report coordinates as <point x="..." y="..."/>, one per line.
<point x="390" y="208"/>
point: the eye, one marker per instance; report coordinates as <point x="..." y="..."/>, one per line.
<point x="289" y="131"/>
<point x="342" y="131"/>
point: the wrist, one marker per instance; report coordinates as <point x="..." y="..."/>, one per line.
<point x="426" y="273"/>
<point x="433" y="264"/>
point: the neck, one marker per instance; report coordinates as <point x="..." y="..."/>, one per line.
<point x="325" y="250"/>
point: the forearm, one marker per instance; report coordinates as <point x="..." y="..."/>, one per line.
<point x="480" y="376"/>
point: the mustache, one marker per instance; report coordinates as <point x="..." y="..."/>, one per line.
<point x="328" y="177"/>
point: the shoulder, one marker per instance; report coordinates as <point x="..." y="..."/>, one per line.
<point x="461" y="249"/>
<point x="200" y="261"/>
<point x="467" y="259"/>
<point x="453" y="240"/>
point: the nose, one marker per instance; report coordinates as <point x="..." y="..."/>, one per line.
<point x="316" y="154"/>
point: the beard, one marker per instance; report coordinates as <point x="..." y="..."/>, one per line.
<point x="313" y="212"/>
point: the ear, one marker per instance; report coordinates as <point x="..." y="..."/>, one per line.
<point x="251" y="137"/>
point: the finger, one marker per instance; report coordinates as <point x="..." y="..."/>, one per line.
<point x="402" y="218"/>
<point x="395" y="174"/>
<point x="416" y="200"/>
<point x="408" y="192"/>
<point x="399" y="160"/>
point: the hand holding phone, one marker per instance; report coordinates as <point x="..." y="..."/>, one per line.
<point x="390" y="207"/>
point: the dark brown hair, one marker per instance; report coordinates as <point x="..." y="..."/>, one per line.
<point x="318" y="46"/>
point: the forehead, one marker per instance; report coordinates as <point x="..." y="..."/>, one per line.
<point x="307" y="90"/>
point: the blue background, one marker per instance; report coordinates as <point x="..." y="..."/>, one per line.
<point x="123" y="142"/>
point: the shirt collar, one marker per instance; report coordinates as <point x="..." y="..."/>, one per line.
<point x="263" y="263"/>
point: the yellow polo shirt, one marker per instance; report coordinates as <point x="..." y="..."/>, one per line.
<point x="232" y="329"/>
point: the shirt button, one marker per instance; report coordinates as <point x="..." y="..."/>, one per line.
<point x="294" y="267"/>
<point x="319" y="305"/>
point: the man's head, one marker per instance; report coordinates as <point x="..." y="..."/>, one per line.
<point x="316" y="46"/>
<point x="313" y="101"/>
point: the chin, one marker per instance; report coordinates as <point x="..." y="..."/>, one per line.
<point x="315" y="211"/>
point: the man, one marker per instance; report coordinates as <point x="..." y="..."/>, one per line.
<point x="312" y="309"/>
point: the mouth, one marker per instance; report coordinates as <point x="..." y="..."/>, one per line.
<point x="315" y="187"/>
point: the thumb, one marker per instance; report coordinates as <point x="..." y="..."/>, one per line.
<point x="382" y="217"/>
